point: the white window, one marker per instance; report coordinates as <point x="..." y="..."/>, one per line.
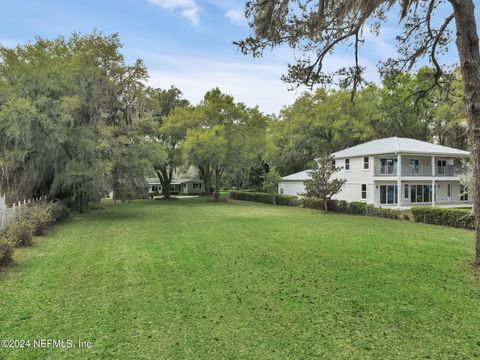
<point x="366" y="163"/>
<point x="333" y="165"/>
<point x="195" y="185"/>
<point x="364" y="191"/>
<point x="347" y="164"/>
<point x="281" y="191"/>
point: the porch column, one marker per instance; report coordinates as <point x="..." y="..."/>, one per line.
<point x="399" y="180"/>
<point x="433" y="192"/>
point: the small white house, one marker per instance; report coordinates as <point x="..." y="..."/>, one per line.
<point x="395" y="172"/>
<point x="182" y="186"/>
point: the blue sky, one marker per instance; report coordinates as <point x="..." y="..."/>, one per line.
<point x="187" y="43"/>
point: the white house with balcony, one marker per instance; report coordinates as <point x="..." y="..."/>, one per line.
<point x="395" y="172"/>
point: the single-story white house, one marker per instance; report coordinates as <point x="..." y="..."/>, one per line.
<point x="182" y="186"/>
<point x="395" y="172"/>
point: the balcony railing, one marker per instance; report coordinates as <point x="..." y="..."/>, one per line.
<point x="449" y="170"/>
<point x="386" y="170"/>
<point x="418" y="170"/>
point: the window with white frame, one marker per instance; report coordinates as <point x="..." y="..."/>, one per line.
<point x="366" y="163"/>
<point x="347" y="164"/>
<point x="364" y="191"/>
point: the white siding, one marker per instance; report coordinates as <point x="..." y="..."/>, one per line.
<point x="291" y="187"/>
<point x="356" y="176"/>
<point x="187" y="188"/>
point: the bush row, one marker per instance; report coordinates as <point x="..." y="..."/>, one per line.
<point x="460" y="218"/>
<point x="355" y="207"/>
<point x="34" y="221"/>
<point x="285" y="200"/>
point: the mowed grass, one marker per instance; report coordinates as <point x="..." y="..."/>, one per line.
<point x="188" y="279"/>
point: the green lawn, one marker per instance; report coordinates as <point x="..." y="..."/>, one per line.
<point x="189" y="279"/>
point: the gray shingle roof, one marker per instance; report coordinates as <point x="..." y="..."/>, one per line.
<point x="299" y="176"/>
<point x="398" y="145"/>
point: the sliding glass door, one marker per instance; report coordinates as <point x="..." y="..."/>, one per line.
<point x="420" y="193"/>
<point x="388" y="194"/>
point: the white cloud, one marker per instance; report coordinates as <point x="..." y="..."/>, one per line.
<point x="252" y="84"/>
<point x="251" y="81"/>
<point x="188" y="9"/>
<point x="236" y="17"/>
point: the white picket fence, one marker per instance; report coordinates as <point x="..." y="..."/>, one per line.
<point x="9" y="215"/>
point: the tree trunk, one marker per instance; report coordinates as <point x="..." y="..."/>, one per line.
<point x="469" y="53"/>
<point x="165" y="180"/>
<point x="166" y="190"/>
<point x="206" y="176"/>
<point x="218" y="176"/>
<point x="82" y="203"/>
<point x="325" y="204"/>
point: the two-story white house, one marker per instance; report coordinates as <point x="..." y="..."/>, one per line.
<point x="395" y="172"/>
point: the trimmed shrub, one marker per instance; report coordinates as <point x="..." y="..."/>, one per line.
<point x="251" y="196"/>
<point x="313" y="203"/>
<point x="285" y="200"/>
<point x="371" y="210"/>
<point x="19" y="233"/>
<point x="358" y="208"/>
<point x="59" y="211"/>
<point x="39" y="217"/>
<point x="460" y="218"/>
<point x="6" y="251"/>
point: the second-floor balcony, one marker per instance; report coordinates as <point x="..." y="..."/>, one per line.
<point x="419" y="170"/>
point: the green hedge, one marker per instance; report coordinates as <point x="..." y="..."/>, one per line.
<point x="340" y="206"/>
<point x="285" y="200"/>
<point x="313" y="203"/>
<point x="371" y="210"/>
<point x="460" y="218"/>
<point x="355" y="207"/>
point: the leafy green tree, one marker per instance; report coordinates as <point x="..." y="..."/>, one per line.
<point x="60" y="103"/>
<point x="249" y="143"/>
<point x="270" y="183"/>
<point x="323" y="121"/>
<point x="134" y="154"/>
<point x="320" y="184"/>
<point x="171" y="117"/>
<point x="208" y="150"/>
